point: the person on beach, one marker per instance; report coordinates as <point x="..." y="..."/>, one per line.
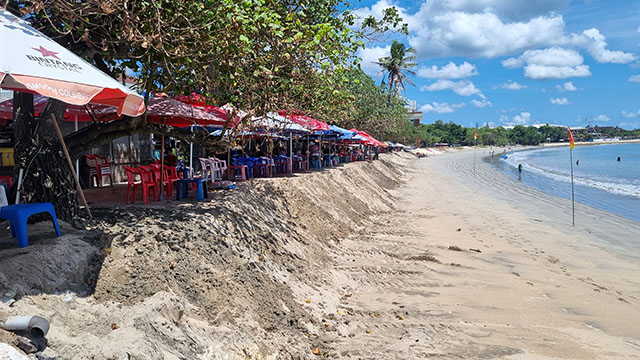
<point x="169" y="158"/>
<point x="520" y="168"/>
<point x="618" y="158"/>
<point x="578" y="162"/>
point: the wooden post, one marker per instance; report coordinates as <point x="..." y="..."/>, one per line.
<point x="73" y="171"/>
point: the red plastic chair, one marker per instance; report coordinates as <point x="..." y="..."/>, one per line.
<point x="6" y="180"/>
<point x="146" y="182"/>
<point x="99" y="167"/>
<point x="169" y="177"/>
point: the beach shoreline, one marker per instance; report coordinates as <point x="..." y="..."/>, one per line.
<point x="468" y="269"/>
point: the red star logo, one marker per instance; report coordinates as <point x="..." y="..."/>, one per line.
<point x="46" y="52"/>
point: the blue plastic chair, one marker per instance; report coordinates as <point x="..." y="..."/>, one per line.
<point x="19" y="214"/>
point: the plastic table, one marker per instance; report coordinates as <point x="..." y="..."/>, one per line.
<point x="183" y="188"/>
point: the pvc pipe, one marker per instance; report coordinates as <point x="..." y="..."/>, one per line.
<point x="36" y="326"/>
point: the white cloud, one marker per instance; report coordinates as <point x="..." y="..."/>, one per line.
<point x="441" y="108"/>
<point x="371" y="55"/>
<point x="493" y="28"/>
<point x="602" y="118"/>
<point x="635" y="78"/>
<point x="629" y="125"/>
<point x="511" y="85"/>
<point x="560" y="101"/>
<point x="462" y="88"/>
<point x="550" y="63"/>
<point x="538" y="72"/>
<point x="521" y="119"/>
<point x="597" y="47"/>
<point x="449" y="71"/>
<point x="567" y="87"/>
<point x="509" y="9"/>
<point x="481" y="34"/>
<point x="482" y="103"/>
<point x="630" y="115"/>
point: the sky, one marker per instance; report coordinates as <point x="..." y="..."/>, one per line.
<point x="519" y="62"/>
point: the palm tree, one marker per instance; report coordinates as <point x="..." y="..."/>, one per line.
<point x="397" y="67"/>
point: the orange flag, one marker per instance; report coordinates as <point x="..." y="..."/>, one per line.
<point x="572" y="142"/>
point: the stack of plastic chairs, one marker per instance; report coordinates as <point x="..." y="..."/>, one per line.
<point x="99" y="167"/>
<point x="218" y="168"/>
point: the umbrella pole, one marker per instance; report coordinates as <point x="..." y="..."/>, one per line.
<point x="308" y="144"/>
<point x="161" y="169"/>
<point x="290" y="153"/>
<point x="73" y="171"/>
<point x="77" y="160"/>
<point x="191" y="156"/>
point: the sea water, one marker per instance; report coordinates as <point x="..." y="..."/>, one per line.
<point x="599" y="179"/>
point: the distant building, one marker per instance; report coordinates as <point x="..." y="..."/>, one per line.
<point x="414" y="115"/>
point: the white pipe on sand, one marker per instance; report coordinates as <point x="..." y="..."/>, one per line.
<point x="36" y="326"/>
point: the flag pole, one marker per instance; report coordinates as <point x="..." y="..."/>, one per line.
<point x="573" y="201"/>
<point x="475" y="144"/>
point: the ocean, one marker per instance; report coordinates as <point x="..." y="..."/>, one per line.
<point x="600" y="180"/>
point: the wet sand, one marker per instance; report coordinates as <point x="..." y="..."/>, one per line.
<point x="483" y="267"/>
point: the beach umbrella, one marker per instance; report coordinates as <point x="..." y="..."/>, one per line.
<point x="276" y="123"/>
<point x="306" y="121"/>
<point x="76" y="113"/>
<point x="168" y="111"/>
<point x="203" y="104"/>
<point x="343" y="134"/>
<point x="32" y="62"/>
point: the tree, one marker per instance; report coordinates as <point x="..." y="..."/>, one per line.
<point x="261" y="55"/>
<point x="396" y="66"/>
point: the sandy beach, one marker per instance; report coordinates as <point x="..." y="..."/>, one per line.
<point x="482" y="267"/>
<point x="401" y="258"/>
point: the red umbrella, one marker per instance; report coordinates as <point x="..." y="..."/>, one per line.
<point x="306" y="121"/>
<point x="160" y="110"/>
<point x="368" y="139"/>
<point x="201" y="103"/>
<point x="172" y="112"/>
<point x="73" y="112"/>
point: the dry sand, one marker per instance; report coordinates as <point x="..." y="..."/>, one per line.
<point x="394" y="259"/>
<point x="482" y="267"/>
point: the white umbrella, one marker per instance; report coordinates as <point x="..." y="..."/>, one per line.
<point x="32" y="62"/>
<point x="277" y="123"/>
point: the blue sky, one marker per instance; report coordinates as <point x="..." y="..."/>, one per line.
<point x="508" y="62"/>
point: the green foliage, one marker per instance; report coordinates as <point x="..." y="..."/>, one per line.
<point x="260" y="55"/>
<point x="397" y="66"/>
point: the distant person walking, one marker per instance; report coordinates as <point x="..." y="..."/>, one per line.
<point x="619" y="158"/>
<point x="520" y="168"/>
<point x="578" y="162"/>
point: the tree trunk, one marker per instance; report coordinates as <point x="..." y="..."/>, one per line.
<point x="38" y="151"/>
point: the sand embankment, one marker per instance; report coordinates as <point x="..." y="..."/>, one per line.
<point x="225" y="279"/>
<point x="354" y="262"/>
